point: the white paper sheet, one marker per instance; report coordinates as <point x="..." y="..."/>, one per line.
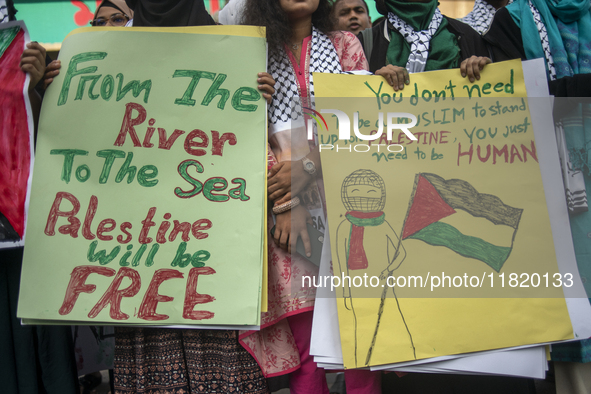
<point x="527" y="361"/>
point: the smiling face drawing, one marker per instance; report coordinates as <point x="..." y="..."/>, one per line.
<point x="363" y="191"/>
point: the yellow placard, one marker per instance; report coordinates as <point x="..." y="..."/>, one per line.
<point x="446" y="239"/>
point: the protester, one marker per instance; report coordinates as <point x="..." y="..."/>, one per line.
<point x="351" y="15"/>
<point x="557" y="31"/>
<point x="300" y="42"/>
<point x="109" y="13"/>
<point x="115" y="13"/>
<point x="416" y="37"/>
<point x="483" y="13"/>
<point x="161" y="13"/>
<point x="560" y="33"/>
<point x="149" y="360"/>
<point x="33" y="359"/>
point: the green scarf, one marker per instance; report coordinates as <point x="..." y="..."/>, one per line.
<point x="568" y="25"/>
<point x="362" y="222"/>
<point x="444" y="52"/>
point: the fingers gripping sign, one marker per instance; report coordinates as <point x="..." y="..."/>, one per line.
<point x="396" y="76"/>
<point x="471" y="67"/>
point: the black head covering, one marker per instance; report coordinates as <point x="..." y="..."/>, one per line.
<point x="161" y="13"/>
<point x="107" y="3"/>
<point x="11" y="10"/>
<point x="381" y="7"/>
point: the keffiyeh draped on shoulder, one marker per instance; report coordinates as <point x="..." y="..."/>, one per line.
<point x="286" y="106"/>
<point x="481" y="16"/>
<point x="420" y="39"/>
<point x="558" y="31"/>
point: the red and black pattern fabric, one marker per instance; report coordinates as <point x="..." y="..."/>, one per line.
<point x="178" y="361"/>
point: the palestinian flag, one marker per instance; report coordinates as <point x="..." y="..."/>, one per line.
<point x="451" y="213"/>
<point x="15" y="135"/>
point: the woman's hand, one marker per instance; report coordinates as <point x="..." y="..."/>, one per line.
<point x="266" y="85"/>
<point x="33" y="63"/>
<point x="283" y="199"/>
<point x="472" y="67"/>
<point x="287" y="177"/>
<point x="51" y="71"/>
<point x="289" y="226"/>
<point x="395" y="76"/>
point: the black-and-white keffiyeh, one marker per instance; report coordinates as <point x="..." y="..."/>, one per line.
<point x="419" y="40"/>
<point x="544" y="38"/>
<point x="323" y="58"/>
<point x="573" y="178"/>
<point x="481" y="16"/>
<point x="3" y="11"/>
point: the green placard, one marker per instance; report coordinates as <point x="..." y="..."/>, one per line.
<point x="148" y="191"/>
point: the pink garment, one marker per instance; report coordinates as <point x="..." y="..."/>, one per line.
<point x="308" y="378"/>
<point x="362" y="381"/>
<point x="349" y="50"/>
<point x="301" y="73"/>
<point x="274" y="346"/>
<point x="311" y="379"/>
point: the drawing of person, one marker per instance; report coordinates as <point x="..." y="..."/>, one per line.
<point x="368" y="245"/>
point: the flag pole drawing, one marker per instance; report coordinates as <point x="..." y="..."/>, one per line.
<point x="435" y="198"/>
<point x="363" y="193"/>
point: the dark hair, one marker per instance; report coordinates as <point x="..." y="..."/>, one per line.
<point x="363" y="1"/>
<point x="11" y="10"/>
<point x="381" y="7"/>
<point x="269" y="14"/>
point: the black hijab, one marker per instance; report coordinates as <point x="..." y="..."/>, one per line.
<point x="161" y="13"/>
<point x="11" y="10"/>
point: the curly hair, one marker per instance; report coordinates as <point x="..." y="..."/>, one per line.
<point x="269" y="14"/>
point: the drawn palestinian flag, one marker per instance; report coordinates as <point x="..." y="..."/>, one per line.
<point x="15" y="137"/>
<point x="453" y="214"/>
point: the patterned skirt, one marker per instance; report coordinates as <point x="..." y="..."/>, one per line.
<point x="177" y="361"/>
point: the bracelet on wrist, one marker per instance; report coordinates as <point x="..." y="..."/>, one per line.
<point x="286" y="206"/>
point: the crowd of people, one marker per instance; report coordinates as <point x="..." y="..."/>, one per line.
<point x="304" y="36"/>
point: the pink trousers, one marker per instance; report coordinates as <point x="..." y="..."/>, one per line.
<point x="311" y="379"/>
